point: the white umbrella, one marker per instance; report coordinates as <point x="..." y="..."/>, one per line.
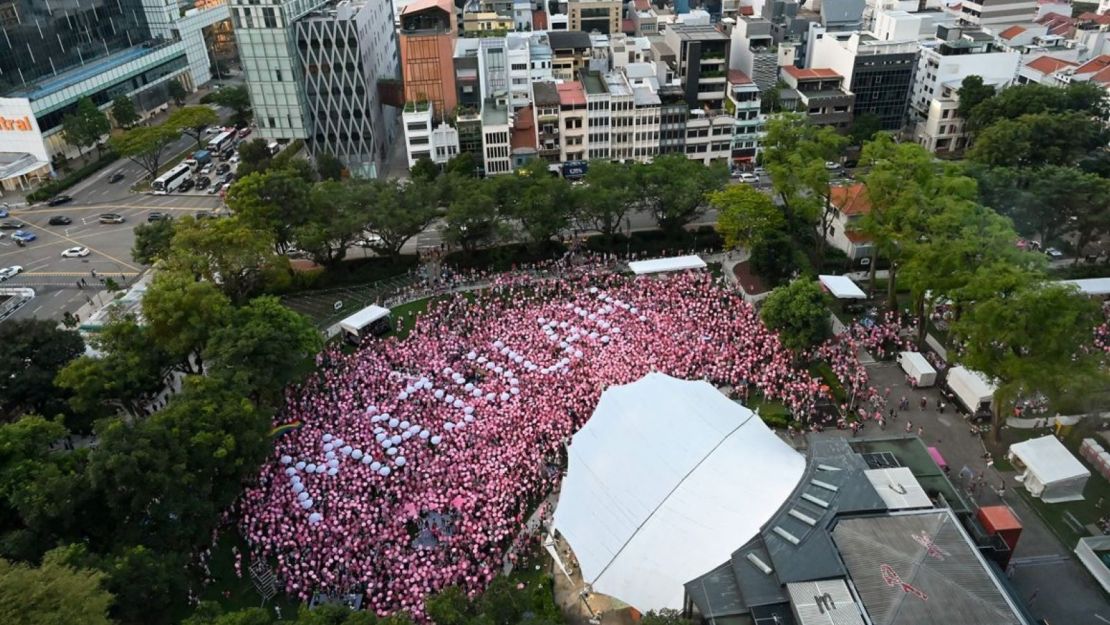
<point x="327" y="438"/>
<point x="315" y="518"/>
<point x="298" y="487"/>
<point x="290" y="471"/>
<point x="356" y="454"/>
<point x="311" y="468"/>
<point x="424" y="434"/>
<point x="399" y="461"/>
<point x="375" y="465"/>
<point x="286" y="459"/>
<point x="436" y="439"/>
<point x="333" y="471"/>
<point x="300" y="465"/>
<point x="306" y="504"/>
<point x="384" y="471"/>
<point x="367" y="459"/>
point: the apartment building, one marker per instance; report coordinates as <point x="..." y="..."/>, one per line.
<point x="701" y="63"/>
<point x="744" y="102"/>
<point x="954" y="54"/>
<point x="573" y="122"/>
<point x="604" y="16"/>
<point x="820" y="94"/>
<point x="428" y="29"/>
<point x="995" y="12"/>
<point x="879" y="72"/>
<point x="570" y="53"/>
<point x="548" y="121"/>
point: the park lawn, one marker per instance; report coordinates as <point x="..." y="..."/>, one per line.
<point x="825" y="372"/>
<point x="773" y="412"/>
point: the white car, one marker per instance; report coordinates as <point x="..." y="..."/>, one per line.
<point x="8" y="272"/>
<point x="233" y="160"/>
<point x="749" y="178"/>
<point x="1053" y="253"/>
<point x="76" y="252"/>
<point x="831" y="165"/>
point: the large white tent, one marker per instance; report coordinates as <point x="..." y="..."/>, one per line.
<point x="665" y="481"/>
<point x="1052" y="473"/>
<point x="663" y="265"/>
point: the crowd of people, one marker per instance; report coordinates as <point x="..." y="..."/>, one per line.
<point x="419" y="460"/>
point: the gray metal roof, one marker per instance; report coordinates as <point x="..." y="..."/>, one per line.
<point x="564" y="39"/>
<point x="920" y="568"/>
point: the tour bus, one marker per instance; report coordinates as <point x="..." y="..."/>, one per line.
<point x="222" y="141"/>
<point x="171" y="179"/>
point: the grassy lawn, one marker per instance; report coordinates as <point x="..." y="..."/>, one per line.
<point x="231" y="592"/>
<point x="773" y="412"/>
<point x="404" y="316"/>
<point x="825" y="372"/>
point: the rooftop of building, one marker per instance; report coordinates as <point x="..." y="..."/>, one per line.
<point x="90" y="69"/>
<point x="813" y="73"/>
<point x="1049" y="64"/>
<point x="616" y="84"/>
<point x="1098" y="68"/>
<point x="523" y="134"/>
<point x="645" y="97"/>
<point x="571" y="93"/>
<point x="539" y="20"/>
<point x="494" y="113"/>
<point x="568" y="39"/>
<point x="851" y="199"/>
<point x="545" y="94"/>
<point x="592" y="83"/>
<point x="1011" y="32"/>
<point x="423" y="5"/>
<point x="697" y="32"/>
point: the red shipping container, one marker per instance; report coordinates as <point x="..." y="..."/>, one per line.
<point x="1001" y="520"/>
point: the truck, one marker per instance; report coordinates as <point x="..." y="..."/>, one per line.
<point x="199" y="159"/>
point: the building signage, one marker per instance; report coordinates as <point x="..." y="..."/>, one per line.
<point x="19" y="124"/>
<point x="19" y="130"/>
<point x="574" y="169"/>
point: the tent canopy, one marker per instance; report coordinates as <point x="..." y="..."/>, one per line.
<point x="1052" y="472"/>
<point x="972" y="387"/>
<point x="660" y="265"/>
<point x="356" y="322"/>
<point x="1095" y="287"/>
<point x="842" y="287"/>
<point x="665" y="481"/>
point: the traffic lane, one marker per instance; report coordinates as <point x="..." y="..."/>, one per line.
<point x="109" y="250"/>
<point x="53" y="303"/>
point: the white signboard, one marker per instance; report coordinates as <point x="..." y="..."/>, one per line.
<point x="19" y="130"/>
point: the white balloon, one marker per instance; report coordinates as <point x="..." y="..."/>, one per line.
<point x="514" y="382"/>
<point x="407" y="434"/>
<point x="449" y="426"/>
<point x="347" y="450"/>
<point x="469" y="387"/>
<point x="333" y="463"/>
<point x="447" y="371"/>
<point x="296" y="479"/>
<point x="396" y="439"/>
<point x="356" y="454"/>
<point x="425" y="434"/>
<point x="327" y="438"/>
<point x="514" y="390"/>
<point x="403" y="395"/>
<point x="471" y="356"/>
<point x="300" y="466"/>
<point x="504" y="396"/>
<point x="375" y="465"/>
<point x="298" y="487"/>
<point x="394" y="423"/>
<point x="329" y="455"/>
<point x="399" y="461"/>
<point x="367" y="459"/>
<point x="320" y="468"/>
<point x="371" y="409"/>
<point x="315" y="518"/>
<point x="449" y="398"/>
<point x="481" y="360"/>
<point x="490" y="396"/>
<point x="306" y="504"/>
<point x="380" y="437"/>
<point x="311" y="468"/>
<point x="436" y="439"/>
<point x="469" y="418"/>
<point x="458" y="403"/>
<point x="384" y="471"/>
<point x="333" y="471"/>
<point x="286" y="459"/>
<point x="290" y="471"/>
<point x="468" y="410"/>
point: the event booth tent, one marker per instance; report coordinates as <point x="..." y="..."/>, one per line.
<point x="915" y="366"/>
<point x="662" y="265"/>
<point x="842" y="287"/>
<point x="972" y="388"/>
<point x="373" y="317"/>
<point x="666" y="479"/>
<point x="1052" y="473"/>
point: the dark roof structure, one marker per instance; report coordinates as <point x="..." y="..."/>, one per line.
<point x="568" y="39"/>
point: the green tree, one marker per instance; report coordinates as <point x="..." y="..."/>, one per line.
<point x="972" y="92"/>
<point x="334" y="221"/>
<point x="665" y="616"/>
<point x="674" y="189"/>
<point x="797" y="311"/>
<point x="145" y="146"/>
<point x="274" y="201"/>
<point x="538" y="201"/>
<point x="1034" y="99"/>
<point x="167" y="478"/>
<point x="144" y="582"/>
<point x="1033" y="140"/>
<point x="396" y="212"/>
<point x="211" y="613"/>
<point x="52" y="594"/>
<point x="424" y="169"/>
<point x="329" y="167"/>
<point x="33" y="353"/>
<point x="176" y="91"/>
<point x="84" y="127"/>
<point x="462" y="164"/>
<point x="230" y="253"/>
<point x="129" y="371"/>
<point x="864" y="127"/>
<point x="235" y="98"/>
<point x="606" y="197"/>
<point x="152" y="241"/>
<point x="181" y="314"/>
<point x="795" y="152"/>
<point x="193" y="120"/>
<point x="449" y="606"/>
<point x="337" y="614"/>
<point x="254" y="156"/>
<point x="744" y="215"/>
<point x="1034" y="339"/>
<point x="1063" y="200"/>
<point x="471" y="218"/>
<point x="772" y="257"/>
<point x="264" y="347"/>
<point x="123" y="111"/>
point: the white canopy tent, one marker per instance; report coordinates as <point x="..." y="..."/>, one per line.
<point x="356" y="323"/>
<point x="1052" y="473"/>
<point x="665" y="481"/>
<point x="917" y="367"/>
<point x="842" y="287"/>
<point x="971" y="387"/>
<point x="661" y="265"/>
<point x="1093" y="287"/>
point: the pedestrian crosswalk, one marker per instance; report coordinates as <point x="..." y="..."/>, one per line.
<point x="80" y="274"/>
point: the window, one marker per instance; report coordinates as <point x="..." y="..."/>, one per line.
<point x="277" y="75"/>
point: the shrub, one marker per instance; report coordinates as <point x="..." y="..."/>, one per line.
<point x="54" y="187"/>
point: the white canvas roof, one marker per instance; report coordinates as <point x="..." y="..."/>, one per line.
<point x="898" y="488"/>
<point x="842" y="287"/>
<point x="1091" y="286"/>
<point x="1049" y="460"/>
<point x="975" y="383"/>
<point x="665" y="481"/>
<point x="659" y="265"/>
<point x="361" y="319"/>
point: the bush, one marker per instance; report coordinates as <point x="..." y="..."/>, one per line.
<point x="54" y="187"/>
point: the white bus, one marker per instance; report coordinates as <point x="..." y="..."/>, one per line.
<point x="222" y="141"/>
<point x="171" y="179"/>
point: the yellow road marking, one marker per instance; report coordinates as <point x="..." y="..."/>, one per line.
<point x="91" y="249"/>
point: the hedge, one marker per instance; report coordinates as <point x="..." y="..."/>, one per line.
<point x="54" y="187"/>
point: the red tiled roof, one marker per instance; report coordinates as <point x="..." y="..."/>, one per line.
<point x="1094" y="17"/>
<point x="851" y="199"/>
<point x="628" y="27"/>
<point x="1095" y="65"/>
<point x="737" y="77"/>
<point x="1047" y="64"/>
<point x="571" y="93"/>
<point x="642" y="5"/>
<point x="747" y="11"/>
<point x="539" y="20"/>
<point x="855" y="236"/>
<point x="524" y="130"/>
<point x="814" y="72"/>
<point x="1011" y="32"/>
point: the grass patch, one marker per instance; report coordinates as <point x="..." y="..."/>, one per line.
<point x="773" y="412"/>
<point x="231" y="592"/>
<point x="405" y="316"/>
<point x="824" y="371"/>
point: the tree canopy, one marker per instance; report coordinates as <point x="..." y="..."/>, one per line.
<point x="123" y="111"/>
<point x="745" y="215"/>
<point x="86" y="125"/>
<point x="146" y="145"/>
<point x="193" y="120"/>
<point x="33" y="353"/>
<point x="52" y="594"/>
<point x="798" y="312"/>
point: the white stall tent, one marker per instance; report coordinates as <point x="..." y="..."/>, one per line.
<point x="1052" y="473"/>
<point x="661" y="265"/>
<point x="842" y="287"/>
<point x="357" y="322"/>
<point x="1093" y="287"/>
<point x="915" y="366"/>
<point x="971" y="387"/>
<point x="664" y="482"/>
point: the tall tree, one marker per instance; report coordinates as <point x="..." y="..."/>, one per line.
<point x="972" y="91"/>
<point x="864" y="127"/>
<point x="798" y="313"/>
<point x="193" y="120"/>
<point x="744" y="215"/>
<point x="463" y="164"/>
<point x="123" y="111"/>
<point x="472" y="218"/>
<point x="86" y="125"/>
<point x="334" y="221"/>
<point x="228" y="252"/>
<point x="329" y="167"/>
<point x="264" y="347"/>
<point x="235" y="98"/>
<point x="773" y="257"/>
<point x="675" y="189"/>
<point x="1033" y="140"/>
<point x="449" y="606"/>
<point x="181" y="314"/>
<point x="33" y="353"/>
<point x="424" y="169"/>
<point x="152" y="241"/>
<point x="396" y="211"/>
<point x="146" y="146"/>
<point x="538" y="201"/>
<point x="1034" y="340"/>
<point x="274" y="201"/>
<point x="254" y="156"/>
<point x="176" y="91"/>
<point x="52" y="594"/>
<point x="606" y="198"/>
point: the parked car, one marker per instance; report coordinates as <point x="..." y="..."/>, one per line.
<point x="156" y="216"/>
<point x="203" y="182"/>
<point x="224" y="188"/>
<point x="214" y="189"/>
<point x="13" y="224"/>
<point x="749" y="178"/>
<point x="202" y="215"/>
<point x="60" y="199"/>
<point x="60" y="220"/>
<point x="831" y="165"/>
<point x="206" y="170"/>
<point x="1053" y="253"/>
<point x="185" y="186"/>
<point x="3" y="212"/>
<point x="8" y="272"/>
<point x="234" y="159"/>
<point x="115" y="177"/>
<point x="111" y="218"/>
<point x="228" y="179"/>
<point x="244" y="132"/>
<point x="76" y="252"/>
<point x="759" y="171"/>
<point x="227" y="153"/>
<point x="223" y="168"/>
<point x="23" y="236"/>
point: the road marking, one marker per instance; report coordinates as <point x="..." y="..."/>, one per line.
<point x="108" y="256"/>
<point x="73" y="274"/>
<point x="1099" y="617"/>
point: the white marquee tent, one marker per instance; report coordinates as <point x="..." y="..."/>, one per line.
<point x="1052" y="473"/>
<point x="661" y="265"/>
<point x="841" y="287"/>
<point x="665" y="481"/>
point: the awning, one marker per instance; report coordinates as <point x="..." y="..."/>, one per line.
<point x="841" y="287"/>
<point x="660" y="265"/>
